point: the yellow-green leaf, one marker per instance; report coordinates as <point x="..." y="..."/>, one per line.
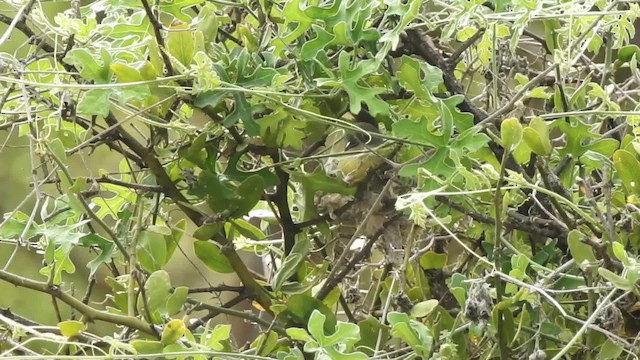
<point x="580" y="251"/>
<point x="173" y="331"/>
<point x="126" y="73"/>
<point x="628" y="169"/>
<point x="180" y="43"/>
<point x="511" y="131"/>
<point x="71" y="328"/>
<point x="536" y="135"/>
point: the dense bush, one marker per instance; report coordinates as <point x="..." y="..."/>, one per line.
<point x="438" y="180"/>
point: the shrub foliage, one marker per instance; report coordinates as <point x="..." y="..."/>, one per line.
<point x="439" y="180"/>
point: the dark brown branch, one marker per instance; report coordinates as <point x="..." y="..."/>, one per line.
<point x="157" y="27"/>
<point x="37" y="40"/>
<point x="332" y="282"/>
<point x="537" y="226"/>
<point x="289" y="228"/>
<point x="424" y="47"/>
<point x="170" y="190"/>
<point x="215" y="312"/>
<point x="218" y="288"/>
<point x="455" y="57"/>
<point x="21" y="24"/>
<point x="142" y="187"/>
<point x="237" y="313"/>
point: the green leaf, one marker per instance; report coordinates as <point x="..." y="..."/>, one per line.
<point x="107" y="248"/>
<point x="418" y="131"/>
<point x="580" y="251"/>
<point x="126" y="73"/>
<point x="57" y="149"/>
<point x="511" y="132"/>
<point x="370" y="328"/>
<point x="604" y="147"/>
<point x="550" y="32"/>
<point x="209" y="253"/>
<point x="157" y="289"/>
<point x="180" y="43"/>
<point x="234" y="172"/>
<point x="176" y="300"/>
<point x="578" y="135"/>
<point x="301" y="306"/>
<point x="88" y="66"/>
<point x="247" y="230"/>
<point x="419" y="77"/>
<point x="266" y="343"/>
<point x="339" y="343"/>
<point x="147" y="346"/>
<point x="207" y="231"/>
<point x="209" y="98"/>
<point x="298" y="334"/>
<point x="626" y="53"/>
<point x="248" y="193"/>
<point x="71" y="328"/>
<point x="242" y="112"/>
<point x="424" y="308"/>
<point x="196" y="152"/>
<point x="610" y="350"/>
<point x="433" y="260"/>
<point x="414" y="333"/>
<point x="406" y="11"/>
<point x="219" y="337"/>
<point x="151" y="251"/>
<point x="14" y="226"/>
<point x="536" y="135"/>
<point x="173" y="331"/>
<point x="281" y="129"/>
<point x="291" y="263"/>
<point x="208" y="22"/>
<point x="311" y="48"/>
<point x="219" y="195"/>
<point x="351" y="79"/>
<point x="318" y="181"/>
<point x="617" y="281"/>
<point x="620" y="253"/>
<point x="172" y="240"/>
<point x="628" y="170"/>
<point x="95" y="102"/>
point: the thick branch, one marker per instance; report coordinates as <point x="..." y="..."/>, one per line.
<point x="76" y="304"/>
<point x="170" y="190"/>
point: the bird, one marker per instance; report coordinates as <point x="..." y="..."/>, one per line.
<point x="357" y="153"/>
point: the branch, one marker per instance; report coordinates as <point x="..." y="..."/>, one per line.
<point x="159" y="39"/>
<point x="280" y="198"/>
<point x="170" y="190"/>
<point x="333" y="278"/>
<point x="86" y="310"/>
<point x="104" y="137"/>
<point x="213" y="313"/>
<point x="424" y="47"/>
<point x="219" y="288"/>
<point x="537" y="226"/>
<point x="455" y="57"/>
<point x="247" y="315"/>
<point x="333" y="281"/>
<point x="142" y="187"/>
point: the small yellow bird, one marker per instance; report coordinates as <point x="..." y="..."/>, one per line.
<point x="363" y="153"/>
